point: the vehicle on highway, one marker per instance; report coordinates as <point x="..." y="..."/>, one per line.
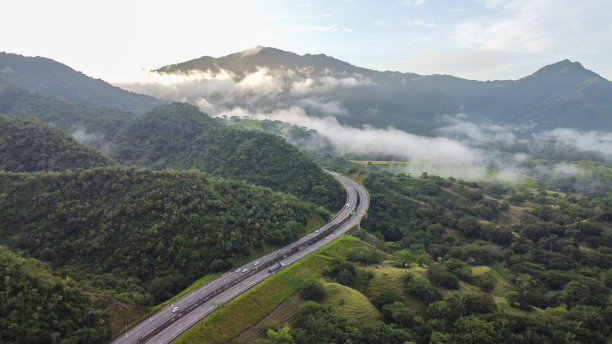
<point x="317" y="231"/>
<point x="175" y="309"/>
<point x="245" y="270"/>
<point x="238" y="270"/>
<point x="256" y="263"/>
<point x="297" y="243"/>
<point x="275" y="267"/>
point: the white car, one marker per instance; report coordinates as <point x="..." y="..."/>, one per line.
<point x="245" y="270"/>
<point x="175" y="309"/>
<point x="256" y="263"/>
<point x="238" y="270"/>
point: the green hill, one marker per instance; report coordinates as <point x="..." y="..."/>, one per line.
<point x="52" y="79"/>
<point x="181" y="137"/>
<point x="28" y="145"/>
<point x="38" y="307"/>
<point x="99" y="123"/>
<point x="142" y="234"/>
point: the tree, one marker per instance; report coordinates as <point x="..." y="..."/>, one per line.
<point x="471" y="330"/>
<point x="441" y="277"/>
<point x="282" y="336"/>
<point x="313" y="290"/>
<point x="342" y="271"/>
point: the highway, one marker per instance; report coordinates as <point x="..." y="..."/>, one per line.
<point x="172" y="320"/>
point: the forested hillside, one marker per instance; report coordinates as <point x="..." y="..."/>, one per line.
<point x="38" y="307"/>
<point x="55" y="80"/>
<point x="28" y="145"/>
<point x="142" y="234"/>
<point x="454" y="262"/>
<point x="179" y="136"/>
<point x="98" y="123"/>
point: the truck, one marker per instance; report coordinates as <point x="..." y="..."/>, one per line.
<point x="276" y="267"/>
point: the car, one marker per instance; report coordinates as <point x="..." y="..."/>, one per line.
<point x="256" y="263"/>
<point x="317" y="231"/>
<point x="238" y="270"/>
<point x="245" y="270"/>
<point x="297" y="243"/>
<point x="175" y="309"/>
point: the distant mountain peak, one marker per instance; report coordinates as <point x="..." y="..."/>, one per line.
<point x="565" y="67"/>
<point x="252" y="51"/>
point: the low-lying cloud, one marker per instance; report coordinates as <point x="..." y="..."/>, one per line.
<point x="374" y="141"/>
<point x="591" y="141"/>
<point x="302" y="97"/>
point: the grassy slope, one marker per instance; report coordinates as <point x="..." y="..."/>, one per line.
<point x="350" y="303"/>
<point x="247" y="309"/>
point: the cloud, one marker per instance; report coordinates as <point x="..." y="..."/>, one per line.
<point x="412" y="2"/>
<point x="333" y="108"/>
<point x="585" y="142"/>
<point x="326" y="83"/>
<point x="383" y="24"/>
<point x="301" y="96"/>
<point x="422" y="23"/>
<point x="375" y="141"/>
<point x="478" y="134"/>
<point x="531" y="26"/>
<point x="81" y="135"/>
<point x="223" y="89"/>
<point x="312" y="28"/>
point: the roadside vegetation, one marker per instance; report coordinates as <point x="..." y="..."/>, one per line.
<point x="450" y="261"/>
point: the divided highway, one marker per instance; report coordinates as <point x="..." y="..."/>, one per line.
<point x="174" y="319"/>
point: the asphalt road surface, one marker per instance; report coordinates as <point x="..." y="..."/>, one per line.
<point x="172" y="320"/>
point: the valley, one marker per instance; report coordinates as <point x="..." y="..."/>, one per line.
<point x="465" y="211"/>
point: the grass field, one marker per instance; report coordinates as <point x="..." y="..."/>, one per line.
<point x="391" y="279"/>
<point x="247" y="309"/>
<point x="350" y="303"/>
<point x="284" y="314"/>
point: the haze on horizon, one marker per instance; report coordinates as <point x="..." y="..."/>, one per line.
<point x="474" y="39"/>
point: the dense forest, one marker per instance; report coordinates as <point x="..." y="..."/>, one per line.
<point x="100" y="123"/>
<point x="38" y="307"/>
<point x="27" y="145"/>
<point x="142" y="233"/>
<point x="179" y="136"/>
<point x="469" y="262"/>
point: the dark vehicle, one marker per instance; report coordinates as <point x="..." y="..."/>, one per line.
<point x="275" y="267"/>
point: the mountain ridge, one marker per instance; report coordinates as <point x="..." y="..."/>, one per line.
<point x="560" y="94"/>
<point x="56" y="80"/>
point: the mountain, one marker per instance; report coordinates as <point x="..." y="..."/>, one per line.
<point x="564" y="94"/>
<point x="271" y="81"/>
<point x="28" y="145"/>
<point x="266" y="79"/>
<point x="49" y="78"/>
<point x="99" y="123"/>
<point x="181" y="137"/>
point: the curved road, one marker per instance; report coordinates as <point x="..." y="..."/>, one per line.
<point x="165" y="325"/>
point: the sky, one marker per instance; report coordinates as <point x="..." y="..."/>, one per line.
<point x="475" y="39"/>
